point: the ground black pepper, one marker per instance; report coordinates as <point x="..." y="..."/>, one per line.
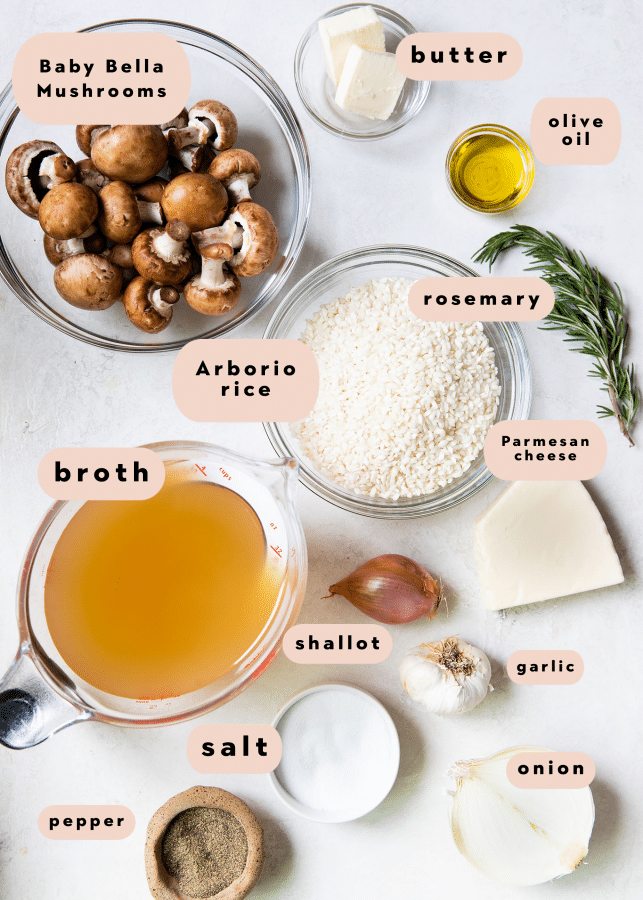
<point x="205" y="849"/>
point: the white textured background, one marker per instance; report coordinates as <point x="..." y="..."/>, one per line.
<point x="57" y="391"/>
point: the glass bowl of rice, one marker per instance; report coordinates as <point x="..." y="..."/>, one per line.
<point x="404" y="405"/>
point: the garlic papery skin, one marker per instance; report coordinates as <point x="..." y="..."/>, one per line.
<point x="446" y="677"/>
<point x="517" y="836"/>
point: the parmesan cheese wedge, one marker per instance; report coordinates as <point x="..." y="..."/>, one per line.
<point x="542" y="539"/>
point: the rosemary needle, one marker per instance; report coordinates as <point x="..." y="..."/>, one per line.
<point x="587" y="308"/>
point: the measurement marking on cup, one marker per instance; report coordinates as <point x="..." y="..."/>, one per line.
<point x="276" y="549"/>
<point x="225" y="474"/>
<point x="272" y="525"/>
<point x="201" y="470"/>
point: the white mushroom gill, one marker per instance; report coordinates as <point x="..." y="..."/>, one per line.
<point x="168" y="249"/>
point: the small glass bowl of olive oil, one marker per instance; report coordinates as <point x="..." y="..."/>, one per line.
<point x="490" y="168"/>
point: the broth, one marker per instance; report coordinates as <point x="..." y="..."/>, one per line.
<point x="155" y="598"/>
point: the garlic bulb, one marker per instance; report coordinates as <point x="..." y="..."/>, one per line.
<point x="516" y="835"/>
<point x="448" y="676"/>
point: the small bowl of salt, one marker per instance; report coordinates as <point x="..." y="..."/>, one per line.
<point x="341" y="753"/>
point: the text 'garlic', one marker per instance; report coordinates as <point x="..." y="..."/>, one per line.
<point x="518" y="836"/>
<point x="448" y="676"/>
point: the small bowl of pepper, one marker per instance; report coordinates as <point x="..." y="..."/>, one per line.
<point x="204" y="843"/>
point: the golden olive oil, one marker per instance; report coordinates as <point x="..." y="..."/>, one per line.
<point x="487" y="171"/>
<point x="156" y="598"/>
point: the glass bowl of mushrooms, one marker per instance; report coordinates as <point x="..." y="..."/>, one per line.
<point x="195" y="275"/>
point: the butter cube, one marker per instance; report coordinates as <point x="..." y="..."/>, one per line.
<point x="338" y="33"/>
<point x="371" y="83"/>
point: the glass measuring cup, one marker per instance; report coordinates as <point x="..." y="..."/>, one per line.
<point x="41" y="694"/>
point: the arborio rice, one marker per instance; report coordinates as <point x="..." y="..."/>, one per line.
<point x="404" y="405"/>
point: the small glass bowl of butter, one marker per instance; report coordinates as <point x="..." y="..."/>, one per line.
<point x="348" y="41"/>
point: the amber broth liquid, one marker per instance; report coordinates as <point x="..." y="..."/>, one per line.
<point x="155" y="598"/>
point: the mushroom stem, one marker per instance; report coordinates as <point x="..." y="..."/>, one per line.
<point x="56" y="169"/>
<point x="170" y="245"/>
<point x="197" y="131"/>
<point x="162" y="298"/>
<point x="239" y="189"/>
<point x="228" y="233"/>
<point x="213" y="277"/>
<point x="191" y="156"/>
<point x="150" y="212"/>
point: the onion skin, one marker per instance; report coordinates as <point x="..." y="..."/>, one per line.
<point x="391" y="589"/>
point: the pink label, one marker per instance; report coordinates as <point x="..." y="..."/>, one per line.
<point x="545" y="667"/>
<point x="337" y="643"/>
<point x="481" y="299"/>
<point x="245" y="381"/>
<point x="459" y="56"/>
<point x="550" y="770"/>
<point x="80" y="79"/>
<point x="575" y="131"/>
<point x="101" y="473"/>
<point x="234" y="749"/>
<point x="545" y="450"/>
<point x="86" y="823"/>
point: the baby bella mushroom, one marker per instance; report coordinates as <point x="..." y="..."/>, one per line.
<point x="209" y="121"/>
<point x="149" y="306"/>
<point x="260" y="239"/>
<point x="199" y="200"/>
<point x="162" y="255"/>
<point x="32" y="170"/>
<point x="216" y="290"/>
<point x="88" y="281"/>
<point x="238" y="171"/>
<point x="132" y="153"/>
<point x="67" y="211"/>
<point x="149" y="199"/>
<point x="87" y="173"/>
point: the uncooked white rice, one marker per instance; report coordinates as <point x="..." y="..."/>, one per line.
<point x="404" y="405"/>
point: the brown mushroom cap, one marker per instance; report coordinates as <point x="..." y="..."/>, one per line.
<point x="223" y="119"/>
<point x="22" y="174"/>
<point x="238" y="171"/>
<point x="67" y="210"/>
<point x="260" y="239"/>
<point x="198" y="199"/>
<point x="88" y="281"/>
<point x="120" y="255"/>
<point x="133" y="153"/>
<point x="153" y="267"/>
<point x="144" y="304"/>
<point x="84" y="135"/>
<point x="119" y="218"/>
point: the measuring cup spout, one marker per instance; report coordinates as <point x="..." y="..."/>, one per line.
<point x="30" y="711"/>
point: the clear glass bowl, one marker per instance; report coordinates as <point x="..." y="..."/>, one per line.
<point x="526" y="159"/>
<point x="317" y="91"/>
<point x="333" y="279"/>
<point x="267" y="126"/>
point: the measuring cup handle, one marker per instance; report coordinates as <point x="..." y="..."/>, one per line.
<point x="30" y="711"/>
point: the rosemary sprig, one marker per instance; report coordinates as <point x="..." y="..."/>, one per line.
<point x="587" y="308"/>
